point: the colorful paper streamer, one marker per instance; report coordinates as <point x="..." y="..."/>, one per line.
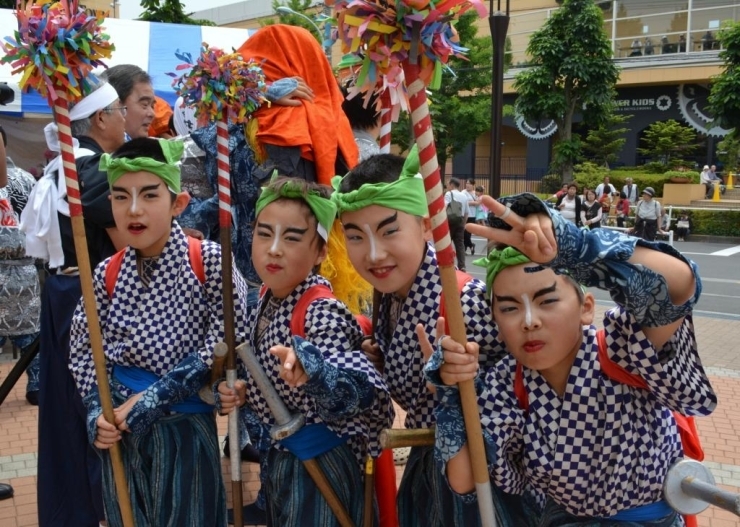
<point x="220" y="85"/>
<point x="56" y="47"/>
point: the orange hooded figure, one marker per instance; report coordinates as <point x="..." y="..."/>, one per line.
<point x="160" y="126"/>
<point x="319" y="128"/>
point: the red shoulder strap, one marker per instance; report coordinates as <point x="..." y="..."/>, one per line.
<point x="520" y="391"/>
<point x="195" y="255"/>
<point x="613" y="370"/>
<point x="686" y="425"/>
<point x="112" y="270"/>
<point x="298" y="315"/>
<point x="365" y="324"/>
<point x="462" y="279"/>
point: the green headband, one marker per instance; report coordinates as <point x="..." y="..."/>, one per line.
<point x="406" y="194"/>
<point x="324" y="210"/>
<point x="498" y="260"/>
<point x="169" y="172"/>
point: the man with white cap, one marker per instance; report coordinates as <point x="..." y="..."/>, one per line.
<point x="69" y="471"/>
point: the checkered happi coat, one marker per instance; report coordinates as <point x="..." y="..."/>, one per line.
<point x="404" y="362"/>
<point x="330" y="327"/>
<point x="604" y="446"/>
<point x="155" y="328"/>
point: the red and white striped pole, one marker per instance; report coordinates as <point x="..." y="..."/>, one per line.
<point x="422" y="125"/>
<point x="61" y="111"/>
<point x="224" y="222"/>
<point x="384" y="139"/>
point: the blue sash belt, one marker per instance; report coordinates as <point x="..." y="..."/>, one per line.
<point x="311" y="441"/>
<point x="643" y="513"/>
<point x="138" y="380"/>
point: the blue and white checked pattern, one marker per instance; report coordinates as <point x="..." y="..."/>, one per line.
<point x="403" y="358"/>
<point x="331" y="327"/>
<point x="155" y="328"/>
<point x="604" y="446"/>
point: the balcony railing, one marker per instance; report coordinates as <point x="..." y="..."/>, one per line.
<point x="643" y="31"/>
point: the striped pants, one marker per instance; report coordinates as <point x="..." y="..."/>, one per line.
<point x="173" y="474"/>
<point x="293" y="499"/>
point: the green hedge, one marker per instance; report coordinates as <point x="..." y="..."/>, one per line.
<point x="589" y="174"/>
<point x="711" y="222"/>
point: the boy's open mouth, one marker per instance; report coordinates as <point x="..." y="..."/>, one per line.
<point x="136" y="228"/>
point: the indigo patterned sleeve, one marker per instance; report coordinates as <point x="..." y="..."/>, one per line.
<point x="94" y="410"/>
<point x="599" y="258"/>
<point x="339" y="392"/>
<point x="178" y="384"/>
<point x="280" y="88"/>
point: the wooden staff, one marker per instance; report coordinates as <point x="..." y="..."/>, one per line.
<point x="61" y="111"/>
<point x="367" y="520"/>
<point x="406" y="437"/>
<point x="446" y="261"/>
<point x="224" y="223"/>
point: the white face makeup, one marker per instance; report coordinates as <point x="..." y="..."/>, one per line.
<point x="134" y="197"/>
<point x="371" y="239"/>
<point x="276" y="239"/>
<point x="527" y="310"/>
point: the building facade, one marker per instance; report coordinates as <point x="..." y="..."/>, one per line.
<point x="667" y="52"/>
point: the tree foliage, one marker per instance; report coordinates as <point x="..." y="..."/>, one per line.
<point x="728" y="152"/>
<point x="7" y="4"/>
<point x="169" y="11"/>
<point x="461" y="109"/>
<point x="571" y="71"/>
<point x="604" y="143"/>
<point x="667" y="142"/>
<point x="299" y="6"/>
<point x="724" y="99"/>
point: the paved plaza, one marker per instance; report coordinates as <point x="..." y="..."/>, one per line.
<point x="719" y="342"/>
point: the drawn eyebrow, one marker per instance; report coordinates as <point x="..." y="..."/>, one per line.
<point x="545" y="291"/>
<point x="541" y="292"/>
<point x="390" y="219"/>
<point x="506" y="299"/>
<point x="143" y="189"/>
<point x="293" y="230"/>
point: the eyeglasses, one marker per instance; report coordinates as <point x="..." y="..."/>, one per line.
<point x="123" y="109"/>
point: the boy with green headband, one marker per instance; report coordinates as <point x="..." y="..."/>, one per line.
<point x="161" y="313"/>
<point x="318" y="371"/>
<point x="581" y="414"/>
<point x="383" y="209"/>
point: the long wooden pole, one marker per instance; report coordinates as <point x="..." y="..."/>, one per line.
<point x="61" y="111"/>
<point x="446" y="261"/>
<point x="224" y="221"/>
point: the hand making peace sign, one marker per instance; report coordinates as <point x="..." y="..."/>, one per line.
<point x="533" y="236"/>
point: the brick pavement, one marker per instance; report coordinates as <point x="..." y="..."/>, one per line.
<point x="720" y="432"/>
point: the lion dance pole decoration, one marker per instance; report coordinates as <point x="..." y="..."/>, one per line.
<point x="56" y="47"/>
<point x="224" y="88"/>
<point x="405" y="45"/>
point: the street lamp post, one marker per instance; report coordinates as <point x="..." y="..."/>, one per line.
<point x="322" y="34"/>
<point x="499" y="23"/>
